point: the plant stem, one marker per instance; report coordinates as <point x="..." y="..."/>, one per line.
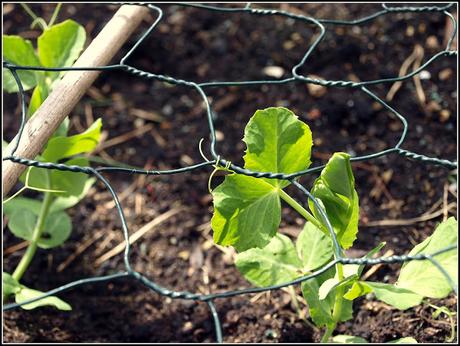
<point x="329" y="329"/>
<point x="55" y="14"/>
<point x="35" y="18"/>
<point x="37" y="232"/>
<point x="297" y="207"/>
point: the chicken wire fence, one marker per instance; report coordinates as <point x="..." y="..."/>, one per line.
<point x="218" y="160"/>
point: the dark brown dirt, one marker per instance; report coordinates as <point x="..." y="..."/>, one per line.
<point x="199" y="45"/>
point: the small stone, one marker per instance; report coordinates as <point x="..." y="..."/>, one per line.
<point x="314" y="114"/>
<point x="433" y="106"/>
<point x="445" y="74"/>
<point x="432" y="42"/>
<point x="410" y="31"/>
<point x="288" y="45"/>
<point x="316" y="90"/>
<point x="188" y="326"/>
<point x="376" y="106"/>
<point x="273" y="71"/>
<point x="444" y="115"/>
<point x="219" y="136"/>
<point x="425" y="75"/>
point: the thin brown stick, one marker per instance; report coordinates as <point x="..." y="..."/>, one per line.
<point x="406" y="222"/>
<point x="16" y="247"/>
<point x="137" y="235"/>
<point x="123" y="138"/>
<point x="80" y="249"/>
<point x="402" y="71"/>
<point x="70" y="89"/>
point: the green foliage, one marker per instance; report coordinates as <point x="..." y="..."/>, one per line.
<point x="335" y="190"/>
<point x="44" y="223"/>
<point x="276" y="142"/>
<point x="27" y="293"/>
<point x="247" y="214"/>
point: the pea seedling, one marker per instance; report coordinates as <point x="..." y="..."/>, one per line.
<point x="247" y="214"/>
<point x="43" y="223"/>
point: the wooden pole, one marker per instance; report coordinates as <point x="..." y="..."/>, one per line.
<point x="70" y="89"/>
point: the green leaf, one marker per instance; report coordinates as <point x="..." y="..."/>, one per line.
<point x="277" y="142"/>
<point x="406" y="340"/>
<point x="62" y="129"/>
<point x="38" y="177"/>
<point x="61" y="44"/>
<point x="314" y="247"/>
<point x="358" y="289"/>
<point x="39" y="95"/>
<point x="27" y="293"/>
<point x="331" y="284"/>
<point x="61" y="203"/>
<point x="355" y="269"/>
<point x="4" y="146"/>
<point x="274" y="264"/>
<point x="10" y="284"/>
<point x="320" y="310"/>
<point x="423" y="277"/>
<point x="21" y="203"/>
<point x="247" y="212"/>
<point x="400" y="298"/>
<point x="335" y="189"/>
<point x="22" y="223"/>
<point x="20" y="52"/>
<point x="72" y="183"/>
<point x="370" y="254"/>
<point x="62" y="147"/>
<point x="348" y="339"/>
<point x="56" y="230"/>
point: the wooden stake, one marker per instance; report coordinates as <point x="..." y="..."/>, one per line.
<point x="70" y="89"/>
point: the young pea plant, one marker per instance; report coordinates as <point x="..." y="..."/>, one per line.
<point x="44" y="222"/>
<point x="247" y="214"/>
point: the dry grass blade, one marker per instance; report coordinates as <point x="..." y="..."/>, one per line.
<point x="123" y="138"/>
<point x="406" y="222"/>
<point x="137" y="235"/>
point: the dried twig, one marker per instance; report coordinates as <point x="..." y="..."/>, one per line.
<point x="137" y="235"/>
<point x="406" y="222"/>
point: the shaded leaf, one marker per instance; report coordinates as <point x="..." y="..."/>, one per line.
<point x="18" y="51"/>
<point x="21" y="203"/>
<point x="62" y="147"/>
<point x="247" y="212"/>
<point x="274" y="264"/>
<point x="56" y="230"/>
<point x="423" y="277"/>
<point x="39" y="95"/>
<point x="400" y="298"/>
<point x="314" y="247"/>
<point x="61" y="203"/>
<point x="22" y="223"/>
<point x="10" y="284"/>
<point x="320" y="310"/>
<point x="335" y="189"/>
<point x="72" y="183"/>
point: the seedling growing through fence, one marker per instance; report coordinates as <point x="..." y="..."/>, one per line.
<point x="44" y="223"/>
<point x="247" y="214"/>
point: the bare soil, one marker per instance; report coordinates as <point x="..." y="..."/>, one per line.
<point x="200" y="45"/>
